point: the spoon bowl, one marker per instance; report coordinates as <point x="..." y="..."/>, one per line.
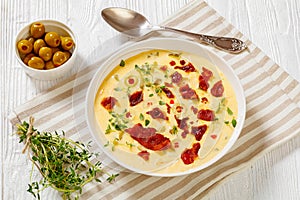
<point x="127" y="21"/>
<point x="134" y="24"/>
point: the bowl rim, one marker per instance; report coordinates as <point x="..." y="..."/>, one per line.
<point x="65" y="28"/>
<point x="128" y="46"/>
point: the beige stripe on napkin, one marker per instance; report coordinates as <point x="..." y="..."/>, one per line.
<point x="272" y="96"/>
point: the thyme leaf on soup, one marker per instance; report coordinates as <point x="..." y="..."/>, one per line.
<point x="106" y="145"/>
<point x="233" y="123"/>
<point x="141" y="117"/>
<point x="117" y="89"/>
<point x="116" y="141"/>
<point x="144" y="69"/>
<point x="221" y="104"/>
<point x="65" y="165"/>
<point x="176" y="55"/>
<point x="174" y="130"/>
<point x="161" y="103"/>
<point x="147" y="82"/>
<point x="116" y="77"/>
<point x="122" y="63"/>
<point x="153" y="54"/>
<point x="118" y="121"/>
<point x="229" y="111"/>
<point x="147" y="122"/>
<point x="130" y="144"/>
<point x="159" y="89"/>
<point x="119" y="127"/>
<point x="108" y="129"/>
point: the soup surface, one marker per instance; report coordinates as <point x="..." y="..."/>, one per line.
<point x="165" y="112"/>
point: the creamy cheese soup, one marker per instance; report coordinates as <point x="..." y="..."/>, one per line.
<point x="165" y="111"/>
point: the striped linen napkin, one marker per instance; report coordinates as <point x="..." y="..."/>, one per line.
<point x="272" y="96"/>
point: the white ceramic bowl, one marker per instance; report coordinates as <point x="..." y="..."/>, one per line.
<point x="61" y="29"/>
<point x="167" y="44"/>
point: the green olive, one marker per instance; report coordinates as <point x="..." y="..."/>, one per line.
<point x="49" y="65"/>
<point x="52" y="39"/>
<point x="39" y="43"/>
<point x="67" y="54"/>
<point x="37" y="30"/>
<point x="36" y="63"/>
<point x="24" y="46"/>
<point x="67" y="43"/>
<point x="31" y="39"/>
<point x="45" y="53"/>
<point x="28" y="57"/>
<point x="59" y="58"/>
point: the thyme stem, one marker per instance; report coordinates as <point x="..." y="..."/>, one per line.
<point x="63" y="163"/>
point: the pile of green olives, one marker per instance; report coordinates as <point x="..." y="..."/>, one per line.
<point x="44" y="50"/>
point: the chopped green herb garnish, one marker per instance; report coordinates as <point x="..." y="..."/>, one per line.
<point x="147" y="122"/>
<point x="221" y="105"/>
<point x="117" y="89"/>
<point x="229" y="111"/>
<point x="161" y="103"/>
<point x="157" y="90"/>
<point x="120" y="127"/>
<point x="122" y="63"/>
<point x="130" y="144"/>
<point x="106" y="145"/>
<point x="151" y="95"/>
<point x="147" y="82"/>
<point x="116" y="141"/>
<point x="233" y="123"/>
<point x="116" y="77"/>
<point x="145" y="69"/>
<point x="118" y="121"/>
<point x="175" y="54"/>
<point x="153" y="54"/>
<point x="141" y="117"/>
<point x="108" y="129"/>
<point x="174" y="130"/>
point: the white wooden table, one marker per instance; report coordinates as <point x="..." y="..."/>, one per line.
<point x="273" y="25"/>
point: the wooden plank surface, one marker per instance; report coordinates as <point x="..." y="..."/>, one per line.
<point x="273" y="25"/>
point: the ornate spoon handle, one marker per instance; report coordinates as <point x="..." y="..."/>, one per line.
<point x="232" y="45"/>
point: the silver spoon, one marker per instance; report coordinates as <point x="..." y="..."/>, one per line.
<point x="134" y="24"/>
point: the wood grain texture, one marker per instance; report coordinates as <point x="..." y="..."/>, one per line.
<point x="273" y="25"/>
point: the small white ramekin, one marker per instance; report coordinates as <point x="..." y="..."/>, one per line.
<point x="61" y="29"/>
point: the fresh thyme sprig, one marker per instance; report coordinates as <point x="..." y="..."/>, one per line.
<point x="64" y="164"/>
